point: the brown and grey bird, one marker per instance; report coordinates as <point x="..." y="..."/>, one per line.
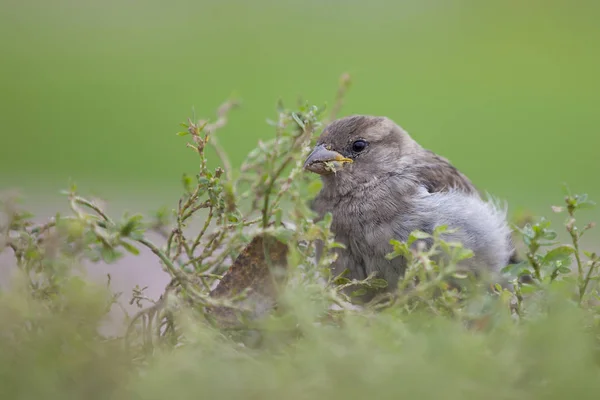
<point x="380" y="184"/>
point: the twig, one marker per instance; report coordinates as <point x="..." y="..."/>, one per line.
<point x="173" y="270"/>
<point x="585" y="283"/>
<point x="222" y="113"/>
<point x="89" y="204"/>
<point x="307" y="132"/>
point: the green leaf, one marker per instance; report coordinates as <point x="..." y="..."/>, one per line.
<point x="400" y="249"/>
<point x="463" y="254"/>
<point x="378" y="283"/>
<point x="133" y="223"/>
<point x="342" y="274"/>
<point x="581" y="198"/>
<point x="416" y="235"/>
<point x="550" y="235"/>
<point x="528" y="289"/>
<point x="516" y="270"/>
<point x="440" y="229"/>
<point x="298" y="121"/>
<point x="340" y="280"/>
<point x="186" y="180"/>
<point x="558" y="254"/>
<point x="278" y="217"/>
<point x="182" y="133"/>
<point x="359" y="292"/>
<point x="283" y="234"/>
<point x="584" y="205"/>
<point x="130" y="248"/>
<point x="110" y="255"/>
<point x="460" y="275"/>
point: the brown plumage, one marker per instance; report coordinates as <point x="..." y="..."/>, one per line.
<point x="380" y="184"/>
<point x="438" y="175"/>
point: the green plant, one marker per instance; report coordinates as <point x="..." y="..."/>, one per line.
<point x="554" y="266"/>
<point x="205" y="337"/>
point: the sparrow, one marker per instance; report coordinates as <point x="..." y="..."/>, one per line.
<point x="380" y="184"/>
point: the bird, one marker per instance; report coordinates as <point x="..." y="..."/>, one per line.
<point x="379" y="184"/>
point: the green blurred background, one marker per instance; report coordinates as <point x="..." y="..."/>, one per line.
<point x="94" y="90"/>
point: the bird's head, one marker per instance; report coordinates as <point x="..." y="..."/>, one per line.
<point x="359" y="148"/>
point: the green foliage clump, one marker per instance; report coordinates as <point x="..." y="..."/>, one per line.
<point x="441" y="334"/>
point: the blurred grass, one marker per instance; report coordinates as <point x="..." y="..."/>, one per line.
<point x="508" y="90"/>
<point x="381" y="355"/>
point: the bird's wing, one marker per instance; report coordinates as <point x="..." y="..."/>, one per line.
<point x="436" y="174"/>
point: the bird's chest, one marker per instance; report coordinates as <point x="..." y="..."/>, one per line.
<point x="365" y="234"/>
<point x="365" y="226"/>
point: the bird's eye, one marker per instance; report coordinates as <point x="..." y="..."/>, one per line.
<point x="359" y="146"/>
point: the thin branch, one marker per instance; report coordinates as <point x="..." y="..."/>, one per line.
<point x="221" y="121"/>
<point x="173" y="270"/>
<point x="89" y="204"/>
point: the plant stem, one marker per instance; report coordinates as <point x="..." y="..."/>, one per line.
<point x="536" y="266"/>
<point x="584" y="284"/>
<point x="176" y="272"/>
<point x="575" y="239"/>
<point x="89" y="204"/>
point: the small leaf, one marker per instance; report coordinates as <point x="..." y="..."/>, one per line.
<point x="558" y="254"/>
<point x="463" y="254"/>
<point x="340" y="280"/>
<point x="282" y="234"/>
<point x="400" y="249"/>
<point x="584" y="205"/>
<point x="298" y="121"/>
<point x="130" y="248"/>
<point x="528" y="289"/>
<point x="359" y="292"/>
<point x="132" y="224"/>
<point x="440" y="229"/>
<point x="186" y="180"/>
<point x="516" y="270"/>
<point x="460" y="275"/>
<point x="416" y="235"/>
<point x="278" y="217"/>
<point x="528" y="232"/>
<point x="182" y="133"/>
<point x="549" y="235"/>
<point x="378" y="283"/>
<point x="110" y="255"/>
